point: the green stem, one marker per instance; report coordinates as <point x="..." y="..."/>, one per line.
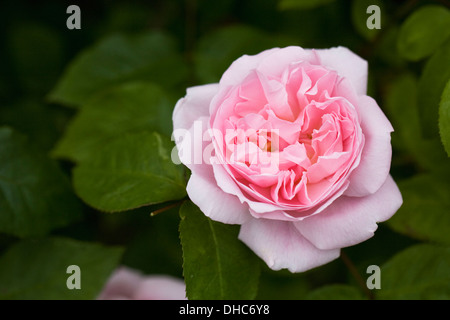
<point x="354" y="272"/>
<point x="168" y="207"/>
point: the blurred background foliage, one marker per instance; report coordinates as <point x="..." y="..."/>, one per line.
<point x="85" y="120"/>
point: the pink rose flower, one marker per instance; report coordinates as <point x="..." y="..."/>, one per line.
<point x="289" y="146"/>
<point x="129" y="284"/>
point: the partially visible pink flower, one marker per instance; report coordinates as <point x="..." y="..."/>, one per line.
<point x="289" y="146"/>
<point x="129" y="284"/>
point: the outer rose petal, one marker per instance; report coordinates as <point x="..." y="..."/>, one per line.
<point x="351" y="220"/>
<point x="377" y="152"/>
<point x="281" y="246"/>
<point x="213" y="201"/>
<point x="240" y="68"/>
<point x="193" y="106"/>
<point x="278" y="60"/>
<point x="202" y="187"/>
<point x="347" y="64"/>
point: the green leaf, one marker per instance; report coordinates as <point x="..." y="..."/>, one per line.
<point x="431" y="85"/>
<point x="117" y="59"/>
<point x="22" y="115"/>
<point x="132" y="171"/>
<point x="336" y="292"/>
<point x="444" y="118"/>
<point x="216" y="264"/>
<point x="131" y="107"/>
<point x="383" y="49"/>
<point x="282" y="285"/>
<point x="217" y="50"/>
<point x="35" y="196"/>
<point x="360" y="17"/>
<point x="401" y="105"/>
<point x="302" y="4"/>
<point x="417" y="273"/>
<point x="423" y="32"/>
<point x="424" y="214"/>
<point x="37" y="269"/>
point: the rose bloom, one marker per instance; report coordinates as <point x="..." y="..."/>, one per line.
<point x="129" y="284"/>
<point x="289" y="146"/>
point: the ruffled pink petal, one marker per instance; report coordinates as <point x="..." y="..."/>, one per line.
<point x="376" y="155"/>
<point x="228" y="185"/>
<point x="347" y="64"/>
<point x="278" y="61"/>
<point x="161" y="288"/>
<point x="281" y="246"/>
<point x="351" y="220"/>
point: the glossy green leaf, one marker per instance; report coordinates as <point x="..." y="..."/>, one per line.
<point x="132" y="171"/>
<point x="217" y="265"/>
<point x="41" y="123"/>
<point x="302" y="4"/>
<point x="423" y="32"/>
<point x="150" y="56"/>
<point x="417" y="273"/>
<point x="444" y="118"/>
<point x="403" y="111"/>
<point x="35" y="196"/>
<point x="424" y="214"/>
<point x="131" y="107"/>
<point x="431" y="85"/>
<point x="217" y="50"/>
<point x="37" y="269"/>
<point x="336" y="292"/>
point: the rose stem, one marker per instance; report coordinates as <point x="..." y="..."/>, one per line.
<point x="354" y="272"/>
<point x="170" y="206"/>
